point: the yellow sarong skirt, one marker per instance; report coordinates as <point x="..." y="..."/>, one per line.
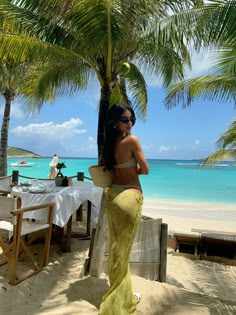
<point x="123" y="209"/>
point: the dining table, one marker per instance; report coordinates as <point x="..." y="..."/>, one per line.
<point x="67" y="201"/>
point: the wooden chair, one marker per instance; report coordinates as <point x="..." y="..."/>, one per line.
<point x="5" y="185"/>
<point x="11" y="220"/>
<point x="4" y="192"/>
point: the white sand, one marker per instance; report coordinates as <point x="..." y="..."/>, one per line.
<point x="193" y="286"/>
<point x="185" y="215"/>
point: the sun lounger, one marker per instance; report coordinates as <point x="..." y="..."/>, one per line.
<point x="214" y="244"/>
<point x="187" y="241"/>
<point x="212" y="231"/>
<point x="218" y="246"/>
<point x="218" y="243"/>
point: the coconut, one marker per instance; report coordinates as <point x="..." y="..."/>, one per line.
<point x="125" y="68"/>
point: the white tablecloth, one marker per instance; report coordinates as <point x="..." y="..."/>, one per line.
<point x="67" y="200"/>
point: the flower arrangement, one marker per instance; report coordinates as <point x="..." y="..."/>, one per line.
<point x="59" y="167"/>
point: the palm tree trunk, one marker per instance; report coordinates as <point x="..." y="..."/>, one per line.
<point x="103" y="110"/>
<point x="8" y="95"/>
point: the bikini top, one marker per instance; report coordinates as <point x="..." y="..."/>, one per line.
<point x="129" y="163"/>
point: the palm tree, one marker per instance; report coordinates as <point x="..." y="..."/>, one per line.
<point x="226" y="145"/>
<point x="111" y="40"/>
<point x="220" y="83"/>
<point x="11" y="76"/>
<point x="17" y="80"/>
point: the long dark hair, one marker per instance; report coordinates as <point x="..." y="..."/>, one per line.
<point x="114" y="114"/>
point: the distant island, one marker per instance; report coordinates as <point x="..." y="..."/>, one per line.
<point x="18" y="152"/>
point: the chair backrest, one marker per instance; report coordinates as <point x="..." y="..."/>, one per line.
<point x="7" y="204"/>
<point x="5" y="183"/>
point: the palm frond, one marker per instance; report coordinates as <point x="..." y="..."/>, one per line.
<point x="32" y="20"/>
<point x="137" y="90"/>
<point x="21" y="48"/>
<point x="221" y="24"/>
<point x="228" y="138"/>
<point x="219" y="155"/>
<point x="117" y="95"/>
<point x="161" y="59"/>
<point x="226" y="146"/>
<point x="226" y="60"/>
<point x="178" y="21"/>
<point x="213" y="87"/>
<point x="46" y="82"/>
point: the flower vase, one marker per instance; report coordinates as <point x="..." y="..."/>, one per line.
<point x="59" y="174"/>
<point x="59" y="178"/>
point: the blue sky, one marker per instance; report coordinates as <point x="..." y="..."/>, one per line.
<point x="68" y="126"/>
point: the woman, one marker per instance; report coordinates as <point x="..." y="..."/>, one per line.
<point x="123" y="156"/>
<point x="53" y="167"/>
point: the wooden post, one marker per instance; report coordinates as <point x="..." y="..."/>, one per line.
<point x="79" y="212"/>
<point x="68" y="235"/>
<point x="15" y="177"/>
<point x="89" y="209"/>
<point x="87" y="260"/>
<point x="80" y="176"/>
<point x="163" y="252"/>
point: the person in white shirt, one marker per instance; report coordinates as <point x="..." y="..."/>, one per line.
<point x="53" y="167"/>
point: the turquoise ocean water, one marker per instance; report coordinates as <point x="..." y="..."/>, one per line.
<point x="167" y="179"/>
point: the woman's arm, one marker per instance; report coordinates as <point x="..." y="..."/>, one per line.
<point x="136" y="148"/>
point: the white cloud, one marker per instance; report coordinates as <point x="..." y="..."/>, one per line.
<point x="89" y="149"/>
<point x="163" y="148"/>
<point x="91" y="93"/>
<point x="201" y="63"/>
<point x="155" y="150"/>
<point x="197" y="141"/>
<point x="91" y="140"/>
<point x="92" y="145"/>
<point x="50" y="130"/>
<point x="15" y="111"/>
<point x="152" y="80"/>
<point x="159" y="151"/>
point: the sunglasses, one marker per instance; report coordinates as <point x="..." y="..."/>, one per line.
<point x="126" y="120"/>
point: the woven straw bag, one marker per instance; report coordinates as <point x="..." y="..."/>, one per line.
<point x="100" y="175"/>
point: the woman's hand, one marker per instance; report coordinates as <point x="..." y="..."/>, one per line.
<point x="142" y="167"/>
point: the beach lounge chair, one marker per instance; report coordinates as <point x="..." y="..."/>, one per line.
<point x="12" y="222"/>
<point x="221" y="245"/>
<point x="187" y="242"/>
<point x="217" y="243"/>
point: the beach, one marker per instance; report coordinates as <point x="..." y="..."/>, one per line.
<point x="183" y="215"/>
<point x="192" y="286"/>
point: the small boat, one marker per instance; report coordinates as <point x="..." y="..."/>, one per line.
<point x="21" y="164"/>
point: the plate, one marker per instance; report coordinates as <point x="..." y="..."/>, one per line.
<point x="37" y="190"/>
<point x="25" y="184"/>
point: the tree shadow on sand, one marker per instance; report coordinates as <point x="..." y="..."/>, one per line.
<point x="165" y="299"/>
<point x="89" y="289"/>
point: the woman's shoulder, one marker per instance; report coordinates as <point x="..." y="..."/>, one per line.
<point x="132" y="139"/>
